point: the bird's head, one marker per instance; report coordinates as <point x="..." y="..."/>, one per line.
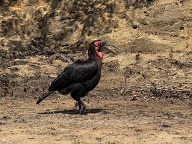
<point x="97" y="46"/>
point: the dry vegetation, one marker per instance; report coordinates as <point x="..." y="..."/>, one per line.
<point x="144" y="95"/>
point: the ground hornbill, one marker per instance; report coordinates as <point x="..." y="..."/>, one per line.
<point x="81" y="76"/>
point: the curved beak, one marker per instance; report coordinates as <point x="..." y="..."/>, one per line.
<point x="105" y="43"/>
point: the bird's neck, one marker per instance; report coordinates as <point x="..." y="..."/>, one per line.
<point x="93" y="55"/>
<point x="96" y="58"/>
<point x="99" y="62"/>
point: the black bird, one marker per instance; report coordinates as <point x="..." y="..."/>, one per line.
<point x="81" y="76"/>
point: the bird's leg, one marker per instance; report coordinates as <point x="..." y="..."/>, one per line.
<point x="82" y="107"/>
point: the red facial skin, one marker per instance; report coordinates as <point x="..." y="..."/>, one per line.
<point x="98" y="49"/>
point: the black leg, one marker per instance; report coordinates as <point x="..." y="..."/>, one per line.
<point x="82" y="107"/>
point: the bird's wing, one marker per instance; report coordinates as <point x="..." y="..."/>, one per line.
<point x="77" y="72"/>
<point x="84" y="71"/>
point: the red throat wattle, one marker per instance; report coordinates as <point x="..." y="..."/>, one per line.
<point x="98" y="49"/>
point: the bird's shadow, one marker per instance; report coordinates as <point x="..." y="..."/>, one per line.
<point x="74" y="111"/>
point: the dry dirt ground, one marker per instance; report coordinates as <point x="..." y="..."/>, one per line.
<point x="145" y="92"/>
<point x="110" y="121"/>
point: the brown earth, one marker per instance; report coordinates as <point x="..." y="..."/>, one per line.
<point x="108" y="121"/>
<point x="144" y="95"/>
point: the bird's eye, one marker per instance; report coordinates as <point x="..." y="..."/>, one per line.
<point x="98" y="43"/>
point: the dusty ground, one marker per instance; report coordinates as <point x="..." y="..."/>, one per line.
<point x="111" y="121"/>
<point x="144" y="95"/>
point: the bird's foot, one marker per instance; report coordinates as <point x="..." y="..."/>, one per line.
<point x="82" y="110"/>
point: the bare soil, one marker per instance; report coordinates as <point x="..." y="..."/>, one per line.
<point x="110" y="121"/>
<point x="144" y="95"/>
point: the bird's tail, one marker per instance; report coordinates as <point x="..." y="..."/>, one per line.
<point x="44" y="96"/>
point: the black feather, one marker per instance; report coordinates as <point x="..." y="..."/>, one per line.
<point x="79" y="77"/>
<point x="44" y="96"/>
<point x="74" y="73"/>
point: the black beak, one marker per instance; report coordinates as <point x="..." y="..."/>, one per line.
<point x="105" y="43"/>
